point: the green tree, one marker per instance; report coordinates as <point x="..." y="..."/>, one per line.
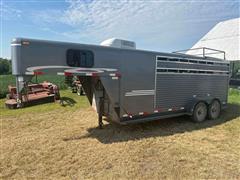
<point x="5" y="66"/>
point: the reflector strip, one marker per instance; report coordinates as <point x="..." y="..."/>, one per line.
<point x="60" y="73"/>
<point x="16" y="44"/>
<point x="38" y="73"/>
<point x="95" y="74"/>
<point x="29" y="73"/>
<point x="117" y="74"/>
<point x="130" y="115"/>
<point x="25" y="42"/>
<point x="68" y="74"/>
<point x="155" y="111"/>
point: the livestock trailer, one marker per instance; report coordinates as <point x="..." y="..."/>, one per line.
<point x="128" y="85"/>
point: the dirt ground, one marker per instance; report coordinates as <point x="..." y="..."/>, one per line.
<point x="68" y="145"/>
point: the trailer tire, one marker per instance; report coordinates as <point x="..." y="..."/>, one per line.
<point x="214" y="109"/>
<point x="200" y="112"/>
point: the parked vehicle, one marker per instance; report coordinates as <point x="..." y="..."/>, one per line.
<point x="74" y="83"/>
<point x="129" y="85"/>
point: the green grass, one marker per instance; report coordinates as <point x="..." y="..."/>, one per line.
<point x="54" y="142"/>
<point x="234" y="96"/>
<point x="71" y="102"/>
<point x="6" y="80"/>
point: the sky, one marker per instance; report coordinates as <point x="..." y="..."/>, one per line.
<point x="163" y="26"/>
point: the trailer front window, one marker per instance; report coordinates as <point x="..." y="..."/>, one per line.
<point x="80" y="58"/>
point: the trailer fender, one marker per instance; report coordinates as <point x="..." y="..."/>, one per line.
<point x="190" y="106"/>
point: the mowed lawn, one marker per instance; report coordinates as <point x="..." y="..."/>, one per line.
<point x="54" y="142"/>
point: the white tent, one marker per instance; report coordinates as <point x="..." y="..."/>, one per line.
<point x="224" y="36"/>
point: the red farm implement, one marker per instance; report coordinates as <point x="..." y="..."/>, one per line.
<point x="33" y="94"/>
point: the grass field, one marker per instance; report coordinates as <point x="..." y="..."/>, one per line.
<point x="54" y="142"/>
<point x="6" y="80"/>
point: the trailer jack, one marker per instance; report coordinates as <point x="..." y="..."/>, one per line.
<point x="100" y="113"/>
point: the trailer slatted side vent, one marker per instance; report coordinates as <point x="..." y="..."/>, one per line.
<point x="184" y="71"/>
<point x="195" y="71"/>
<point x="193" y="61"/>
<point x="162" y="59"/>
<point x="173" y="70"/>
<point x="190" y="61"/>
<point x="183" y="60"/>
<point x="173" y="60"/>
<point x="162" y="70"/>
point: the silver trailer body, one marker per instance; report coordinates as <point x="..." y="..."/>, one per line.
<point x="132" y="85"/>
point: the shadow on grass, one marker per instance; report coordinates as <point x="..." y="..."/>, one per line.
<point x="165" y="127"/>
<point x="66" y="101"/>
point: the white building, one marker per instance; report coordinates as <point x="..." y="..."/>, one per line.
<point x="224" y="36"/>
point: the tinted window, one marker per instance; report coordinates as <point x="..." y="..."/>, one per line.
<point x="80" y="58"/>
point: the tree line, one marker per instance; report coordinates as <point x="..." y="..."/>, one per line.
<point x="5" y="66"/>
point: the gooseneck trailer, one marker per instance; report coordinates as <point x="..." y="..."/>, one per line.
<point x="129" y="85"/>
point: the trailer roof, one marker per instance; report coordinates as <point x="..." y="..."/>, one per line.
<point x="28" y="40"/>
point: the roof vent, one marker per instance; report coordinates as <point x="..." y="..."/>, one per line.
<point x="119" y="43"/>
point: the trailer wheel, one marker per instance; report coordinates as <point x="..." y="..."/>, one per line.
<point x="200" y="112"/>
<point x="214" y="109"/>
